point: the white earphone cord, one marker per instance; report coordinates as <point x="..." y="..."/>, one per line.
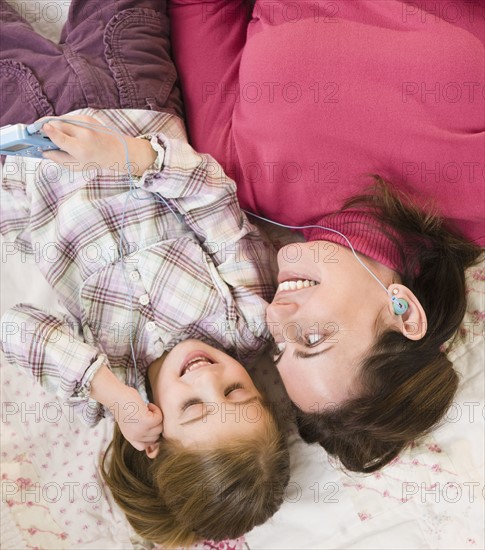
<point x="131" y="194"/>
<point x="160" y="199"/>
<point x="327" y="229"/>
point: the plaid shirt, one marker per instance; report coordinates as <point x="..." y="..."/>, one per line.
<point x="205" y="273"/>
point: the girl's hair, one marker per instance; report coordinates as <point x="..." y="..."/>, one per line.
<point x="187" y="495"/>
<point x="407" y="386"/>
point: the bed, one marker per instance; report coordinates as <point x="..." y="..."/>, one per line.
<point x="432" y="496"/>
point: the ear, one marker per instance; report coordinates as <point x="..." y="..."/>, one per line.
<point x="413" y="323"/>
<point x="152" y="450"/>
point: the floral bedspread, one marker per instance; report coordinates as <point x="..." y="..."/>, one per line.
<point x="432" y="496"/>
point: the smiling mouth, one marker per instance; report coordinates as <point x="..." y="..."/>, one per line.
<point x="196" y="363"/>
<point x="296" y="284"/>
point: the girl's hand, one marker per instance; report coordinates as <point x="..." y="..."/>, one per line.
<point x="140" y="423"/>
<point x="81" y="146"/>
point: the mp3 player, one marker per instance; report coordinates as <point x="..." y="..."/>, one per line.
<point x="25" y="141"/>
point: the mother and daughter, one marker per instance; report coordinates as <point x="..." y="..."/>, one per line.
<point x="362" y="311"/>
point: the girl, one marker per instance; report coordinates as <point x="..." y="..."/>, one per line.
<point x="182" y="284"/>
<point x="146" y="246"/>
<point x="298" y="100"/>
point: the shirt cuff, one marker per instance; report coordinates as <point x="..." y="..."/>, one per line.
<point x="82" y="390"/>
<point x="157" y="165"/>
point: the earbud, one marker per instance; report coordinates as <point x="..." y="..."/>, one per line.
<point x="399" y="305"/>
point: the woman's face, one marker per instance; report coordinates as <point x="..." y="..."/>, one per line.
<point x="205" y="395"/>
<point x="324" y="326"/>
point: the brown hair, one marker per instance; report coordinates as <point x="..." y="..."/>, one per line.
<point x="407" y="385"/>
<point x="187" y="495"/>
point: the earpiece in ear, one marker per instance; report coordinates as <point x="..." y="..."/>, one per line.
<point x="399" y="305"/>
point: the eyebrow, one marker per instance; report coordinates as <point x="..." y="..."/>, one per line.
<point x="203" y="415"/>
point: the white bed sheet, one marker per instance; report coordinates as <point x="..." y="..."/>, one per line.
<point x="52" y="496"/>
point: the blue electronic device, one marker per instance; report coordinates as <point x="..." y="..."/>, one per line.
<point x="25" y="141"/>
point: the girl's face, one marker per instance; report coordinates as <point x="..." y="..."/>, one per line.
<point x="205" y="396"/>
<point x="324" y="326"/>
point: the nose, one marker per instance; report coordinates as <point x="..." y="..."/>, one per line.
<point x="281" y="312"/>
<point x="208" y="379"/>
<point x="278" y="316"/>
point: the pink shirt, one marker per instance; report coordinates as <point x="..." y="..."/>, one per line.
<point x="301" y="100"/>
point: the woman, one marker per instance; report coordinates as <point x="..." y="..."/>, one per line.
<point x="298" y="103"/>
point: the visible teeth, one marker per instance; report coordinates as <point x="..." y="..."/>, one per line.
<point x="296" y="285"/>
<point x="197" y="359"/>
<point x="193" y="362"/>
<point x="193" y="365"/>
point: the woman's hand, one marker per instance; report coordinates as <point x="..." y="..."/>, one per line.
<point x="81" y="146"/>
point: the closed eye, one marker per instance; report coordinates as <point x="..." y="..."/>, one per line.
<point x="227" y="391"/>
<point x="190" y="402"/>
<point x="232" y="388"/>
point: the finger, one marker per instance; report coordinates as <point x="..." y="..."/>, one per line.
<point x="152" y="427"/>
<point x="65" y="127"/>
<point x="44" y="120"/>
<point x="86" y="123"/>
<point x="153" y="434"/>
<point x="156" y="411"/>
<point x="156" y="427"/>
<point x="63" y="122"/>
<point x="55" y="121"/>
<point x="59" y="138"/>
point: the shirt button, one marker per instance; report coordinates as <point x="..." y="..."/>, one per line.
<point x="144" y="299"/>
<point x="135" y="275"/>
<point x="159" y="347"/>
<point x="150" y="326"/>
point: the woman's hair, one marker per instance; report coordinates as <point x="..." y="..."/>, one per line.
<point x="407" y="386"/>
<point x="187" y="495"/>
